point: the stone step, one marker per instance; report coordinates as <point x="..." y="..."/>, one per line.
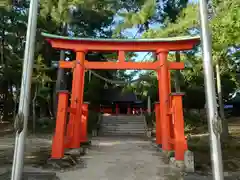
<point x="105" y="127"/>
<point x="116" y="123"/>
<point x="119" y="129"/>
<point x="124" y="121"/>
<point x="132" y="130"/>
<point x="121" y="119"/>
<point x="122" y="125"/>
<point x="122" y="129"/>
<point x="123" y="116"/>
<point x="121" y="132"/>
<point x="118" y="119"/>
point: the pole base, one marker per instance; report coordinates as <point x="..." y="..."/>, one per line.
<point x="62" y="164"/>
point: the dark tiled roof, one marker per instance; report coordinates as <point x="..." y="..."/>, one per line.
<point x="117" y="95"/>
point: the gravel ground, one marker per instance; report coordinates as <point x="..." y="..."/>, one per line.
<point x="122" y="159"/>
<point x="109" y="158"/>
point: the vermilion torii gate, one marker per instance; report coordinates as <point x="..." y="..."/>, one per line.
<point x="169" y="111"/>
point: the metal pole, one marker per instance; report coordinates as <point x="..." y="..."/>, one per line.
<point x="23" y="110"/>
<point x="214" y="122"/>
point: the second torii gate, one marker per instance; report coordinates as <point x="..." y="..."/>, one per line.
<point x="169" y="112"/>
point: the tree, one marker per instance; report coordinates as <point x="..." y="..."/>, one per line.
<point x="150" y="12"/>
<point x="224" y="38"/>
<point x="41" y="91"/>
<point x="10" y="49"/>
<point x="81" y="21"/>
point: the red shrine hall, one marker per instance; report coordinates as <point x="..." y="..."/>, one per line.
<point x="71" y="123"/>
<point x="114" y="101"/>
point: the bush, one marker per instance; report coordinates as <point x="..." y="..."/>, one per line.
<point x="150" y="118"/>
<point x="193" y="119"/>
<point x="45" y="125"/>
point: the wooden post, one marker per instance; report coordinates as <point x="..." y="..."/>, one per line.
<point x="180" y="141"/>
<point x="121" y="56"/>
<point x="84" y="122"/>
<point x="163" y="84"/>
<point x="129" y="109"/>
<point x="170" y="117"/>
<point x="59" y="137"/>
<point x="117" y="109"/>
<point x="70" y="133"/>
<point x="79" y="88"/>
<point x="158" y="123"/>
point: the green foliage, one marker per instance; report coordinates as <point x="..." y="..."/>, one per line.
<point x="150" y="119"/>
<point x="45" y="125"/>
<point x="187" y="21"/>
<point x="135" y="19"/>
<point x="95" y="86"/>
<point x="224" y="24"/>
<point x="5" y="4"/>
<point x="80" y="15"/>
<point x="150" y="12"/>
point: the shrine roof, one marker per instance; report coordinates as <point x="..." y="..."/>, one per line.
<point x="117" y="95"/>
<point x="168" y="39"/>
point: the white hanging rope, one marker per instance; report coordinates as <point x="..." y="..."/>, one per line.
<point x="118" y="82"/>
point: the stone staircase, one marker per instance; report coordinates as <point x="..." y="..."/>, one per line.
<point x="122" y="125"/>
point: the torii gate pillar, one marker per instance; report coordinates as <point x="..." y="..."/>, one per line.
<point x="164" y="92"/>
<point x="74" y="125"/>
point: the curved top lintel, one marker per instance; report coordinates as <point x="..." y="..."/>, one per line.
<point x="74" y="43"/>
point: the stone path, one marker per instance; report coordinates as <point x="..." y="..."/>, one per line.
<point x="122" y="159"/>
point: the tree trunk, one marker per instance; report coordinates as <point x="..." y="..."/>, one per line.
<point x="6" y="101"/>
<point x="34" y="110"/>
<point x="2" y="46"/>
<point x="49" y="108"/>
<point x="177" y="73"/>
<point x="225" y="132"/>
<point x="149" y="105"/>
<point x="15" y="102"/>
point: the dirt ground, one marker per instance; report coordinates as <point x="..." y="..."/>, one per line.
<point x="199" y="144"/>
<point x="38" y="151"/>
<point x="107" y="159"/>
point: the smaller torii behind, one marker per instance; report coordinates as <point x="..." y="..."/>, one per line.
<point x="169" y="110"/>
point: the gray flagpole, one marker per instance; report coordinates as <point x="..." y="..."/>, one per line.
<point x="214" y="123"/>
<point x="23" y="110"/>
